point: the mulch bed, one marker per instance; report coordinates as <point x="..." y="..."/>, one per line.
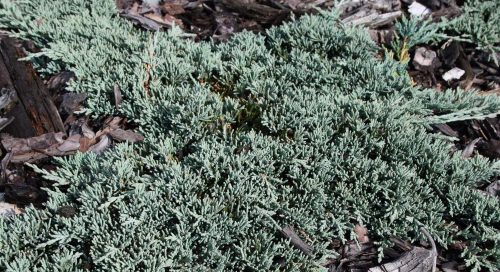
<point x="219" y="20"/>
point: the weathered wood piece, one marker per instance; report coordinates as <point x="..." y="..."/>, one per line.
<point x="417" y="260"/>
<point x="35" y="112"/>
<point x="370" y="13"/>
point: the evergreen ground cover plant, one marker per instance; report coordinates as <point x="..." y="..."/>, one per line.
<point x="480" y="25"/>
<point x="302" y="126"/>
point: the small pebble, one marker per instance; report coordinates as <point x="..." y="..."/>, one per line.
<point x="417" y="9"/>
<point x="455" y="73"/>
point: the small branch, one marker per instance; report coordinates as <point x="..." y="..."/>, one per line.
<point x="290" y="233"/>
<point x="433" y="247"/>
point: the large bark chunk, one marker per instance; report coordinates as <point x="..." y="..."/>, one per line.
<point x="35" y="113"/>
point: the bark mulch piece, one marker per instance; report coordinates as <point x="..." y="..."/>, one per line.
<point x="32" y="130"/>
<point x="31" y="106"/>
<point x="219" y="19"/>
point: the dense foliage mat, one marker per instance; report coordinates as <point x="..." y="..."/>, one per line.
<point x="480" y="25"/>
<point x="300" y="127"/>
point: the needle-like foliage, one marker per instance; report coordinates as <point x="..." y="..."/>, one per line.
<point x="480" y="25"/>
<point x="302" y="126"/>
<point x="412" y="31"/>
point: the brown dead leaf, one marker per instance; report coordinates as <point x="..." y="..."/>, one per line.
<point x="85" y="144"/>
<point x="87" y="132"/>
<point x="45" y="141"/>
<point x="469" y="149"/>
<point x="35" y="148"/>
<point x="103" y="131"/>
<point x="71" y="144"/>
<point x="101" y="146"/>
<point x="113" y="122"/>
<point x="25" y="150"/>
<point x="121" y="135"/>
<point x="361" y="233"/>
<point x="446" y="130"/>
<point x="173" y="8"/>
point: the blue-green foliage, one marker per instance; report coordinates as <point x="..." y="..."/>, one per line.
<point x="301" y="127"/>
<point x="480" y="25"/>
<point x="412" y="31"/>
